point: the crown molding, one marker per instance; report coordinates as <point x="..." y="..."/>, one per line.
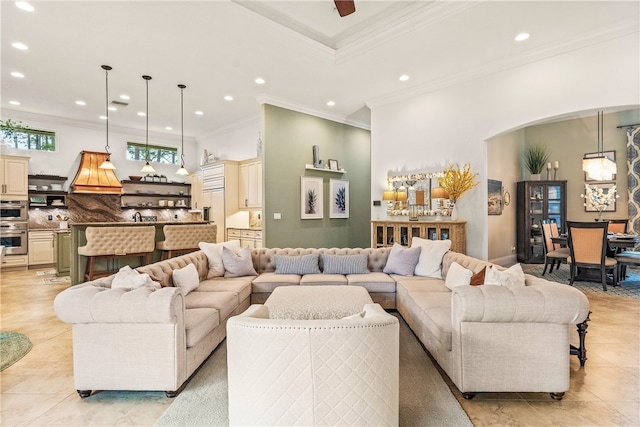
<point x="587" y="39"/>
<point x="240" y="124"/>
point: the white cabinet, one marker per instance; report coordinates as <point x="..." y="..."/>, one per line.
<point x="41" y="247"/>
<point x="250" y="184"/>
<point x="14" y="176"/>
<point x="247" y="237"/>
<point x="220" y="193"/>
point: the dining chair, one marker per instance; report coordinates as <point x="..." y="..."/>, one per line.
<point x="618" y="226"/>
<point x="588" y="250"/>
<point x="553" y="253"/>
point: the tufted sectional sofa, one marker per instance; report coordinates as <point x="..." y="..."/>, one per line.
<point x="486" y="338"/>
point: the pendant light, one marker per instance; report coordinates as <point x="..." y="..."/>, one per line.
<point x="182" y="170"/>
<point x="107" y="162"/>
<point x="147" y="168"/>
<point x="600" y="167"/>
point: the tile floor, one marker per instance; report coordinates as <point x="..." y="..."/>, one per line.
<point x="38" y="389"/>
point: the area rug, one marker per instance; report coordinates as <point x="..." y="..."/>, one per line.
<point x="629" y="288"/>
<point x="13" y="346"/>
<point x="425" y="399"/>
<point x="56" y="280"/>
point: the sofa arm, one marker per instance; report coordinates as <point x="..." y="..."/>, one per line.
<point x="542" y="302"/>
<point x="95" y="303"/>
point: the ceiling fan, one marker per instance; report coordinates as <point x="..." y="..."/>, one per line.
<point x="345" y="7"/>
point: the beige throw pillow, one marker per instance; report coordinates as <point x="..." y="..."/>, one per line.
<point x="213" y="251"/>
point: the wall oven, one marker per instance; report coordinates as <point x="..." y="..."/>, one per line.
<point x="13" y="210"/>
<point x="13" y="236"/>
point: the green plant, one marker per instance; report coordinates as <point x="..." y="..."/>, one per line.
<point x="535" y="157"/>
<point x="9" y="127"/>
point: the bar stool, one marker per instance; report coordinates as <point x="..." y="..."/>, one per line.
<point x="180" y="239"/>
<point x="116" y="242"/>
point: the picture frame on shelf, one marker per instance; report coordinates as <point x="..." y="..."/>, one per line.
<point x="311" y="196"/>
<point x="588" y="207"/>
<point x="333" y="164"/>
<point x="338" y="198"/>
<point x="610" y="154"/>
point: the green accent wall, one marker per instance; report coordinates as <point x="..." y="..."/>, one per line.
<point x="288" y="138"/>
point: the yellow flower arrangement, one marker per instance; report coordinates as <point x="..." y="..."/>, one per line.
<point x="457" y="181"/>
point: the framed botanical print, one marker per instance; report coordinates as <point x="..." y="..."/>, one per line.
<point x="311" y="206"/>
<point x="339" y="198"/>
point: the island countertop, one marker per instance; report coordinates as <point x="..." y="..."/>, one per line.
<point x="131" y="223"/>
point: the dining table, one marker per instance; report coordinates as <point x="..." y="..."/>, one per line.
<point x="616" y="242"/>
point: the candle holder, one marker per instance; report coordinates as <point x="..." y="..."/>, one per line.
<point x="555" y="172"/>
<point x="549" y="172"/>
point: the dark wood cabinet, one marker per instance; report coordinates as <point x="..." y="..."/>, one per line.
<point x="537" y="200"/>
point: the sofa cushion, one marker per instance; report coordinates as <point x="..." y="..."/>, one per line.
<point x="238" y="264"/>
<point x="267" y="282"/>
<point x="419" y="283"/>
<point x="345" y="264"/>
<point x="128" y="278"/>
<point x="198" y="323"/>
<point x="225" y="302"/>
<point x="239" y="285"/>
<point x="457" y="276"/>
<point x="513" y="276"/>
<point x="430" y="262"/>
<point x="373" y="282"/>
<point x="297" y="264"/>
<point x="478" y="278"/>
<point x="436" y="314"/>
<point x="402" y="261"/>
<point x="214" y="255"/>
<point x="186" y="278"/>
<point x="323" y="279"/>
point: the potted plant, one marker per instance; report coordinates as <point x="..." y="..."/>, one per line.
<point x="535" y="158"/>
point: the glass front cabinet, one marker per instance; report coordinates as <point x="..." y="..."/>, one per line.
<point x="386" y="233"/>
<point x="536" y="201"/>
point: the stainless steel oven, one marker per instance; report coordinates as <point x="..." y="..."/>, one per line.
<point x="13" y="236"/>
<point x="13" y="210"/>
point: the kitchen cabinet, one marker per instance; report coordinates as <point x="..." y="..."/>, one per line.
<point x="14" y="177"/>
<point x="41" y="248"/>
<point x="247" y="237"/>
<point x="537" y="200"/>
<point x="63" y="253"/>
<point x="149" y="194"/>
<point x="250" y="184"/>
<point x="220" y="193"/>
<point x="386" y="233"/>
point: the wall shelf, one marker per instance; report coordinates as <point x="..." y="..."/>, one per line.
<point x="311" y="167"/>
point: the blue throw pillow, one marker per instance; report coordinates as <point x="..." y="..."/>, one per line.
<point x="402" y="261"/>
<point x="345" y="264"/>
<point x="297" y="264"/>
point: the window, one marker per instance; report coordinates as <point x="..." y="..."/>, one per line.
<point x="158" y="154"/>
<point x="32" y="139"/>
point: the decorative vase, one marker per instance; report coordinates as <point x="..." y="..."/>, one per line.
<point x="454" y="211"/>
<point x="534" y="177"/>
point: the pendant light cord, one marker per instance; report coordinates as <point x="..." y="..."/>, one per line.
<point x="182" y="87"/>
<point x="106" y="69"/>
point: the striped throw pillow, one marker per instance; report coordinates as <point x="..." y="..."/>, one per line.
<point x="297" y="264"/>
<point x="345" y="264"/>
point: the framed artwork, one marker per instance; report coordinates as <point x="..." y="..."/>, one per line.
<point x="589" y="207"/>
<point x="311" y="206"/>
<point x="333" y="164"/>
<point x="494" y="197"/>
<point x="339" y="198"/>
<point x="610" y="154"/>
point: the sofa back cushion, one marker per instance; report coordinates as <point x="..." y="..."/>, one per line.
<point x="162" y="271"/>
<point x="264" y="258"/>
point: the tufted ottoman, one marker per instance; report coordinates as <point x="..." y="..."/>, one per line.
<point x="316" y="302"/>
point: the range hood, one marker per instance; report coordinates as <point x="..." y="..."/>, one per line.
<point x="91" y="179"/>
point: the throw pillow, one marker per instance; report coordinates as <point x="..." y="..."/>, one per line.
<point x="478" y="278"/>
<point x="128" y="278"/>
<point x="513" y="276"/>
<point x="186" y="278"/>
<point x="237" y="264"/>
<point x="213" y="251"/>
<point x="457" y="276"/>
<point x="345" y="264"/>
<point x="430" y="262"/>
<point x="402" y="261"/>
<point x="297" y="264"/>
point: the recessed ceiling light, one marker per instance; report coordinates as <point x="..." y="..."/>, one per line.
<point x="259" y="81"/>
<point x="123" y="96"/>
<point x="141" y="113"/>
<point x="228" y="98"/>
<point x="103" y="117"/>
<point x="199" y="113"/>
<point x="168" y="128"/>
<point x="14" y="103"/>
<point x="331" y="103"/>
<point x="20" y="46"/>
<point x="522" y="36"/>
<point x="79" y="102"/>
<point x="112" y="108"/>
<point x="403" y="78"/>
<point x="17" y="74"/>
<point x="24" y="6"/>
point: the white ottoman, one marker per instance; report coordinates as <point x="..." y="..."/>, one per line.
<point x="316" y="302"/>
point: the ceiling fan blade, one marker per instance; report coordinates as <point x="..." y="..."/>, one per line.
<point x="345" y="7"/>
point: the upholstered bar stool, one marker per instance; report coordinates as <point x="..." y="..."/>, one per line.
<point x="114" y="242"/>
<point x="179" y="239"/>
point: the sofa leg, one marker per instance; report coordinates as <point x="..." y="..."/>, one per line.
<point x="557" y="396"/>
<point x="468" y="396"/>
<point x="84" y="393"/>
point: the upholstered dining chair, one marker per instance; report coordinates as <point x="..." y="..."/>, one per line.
<point x="553" y="253"/>
<point x="588" y="250"/>
<point x="618" y="226"/>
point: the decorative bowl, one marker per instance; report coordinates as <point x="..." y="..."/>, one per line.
<point x="135" y="178"/>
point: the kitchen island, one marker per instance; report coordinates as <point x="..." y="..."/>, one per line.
<point x="78" y="238"/>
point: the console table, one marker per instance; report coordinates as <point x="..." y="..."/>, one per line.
<point x="390" y="231"/>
